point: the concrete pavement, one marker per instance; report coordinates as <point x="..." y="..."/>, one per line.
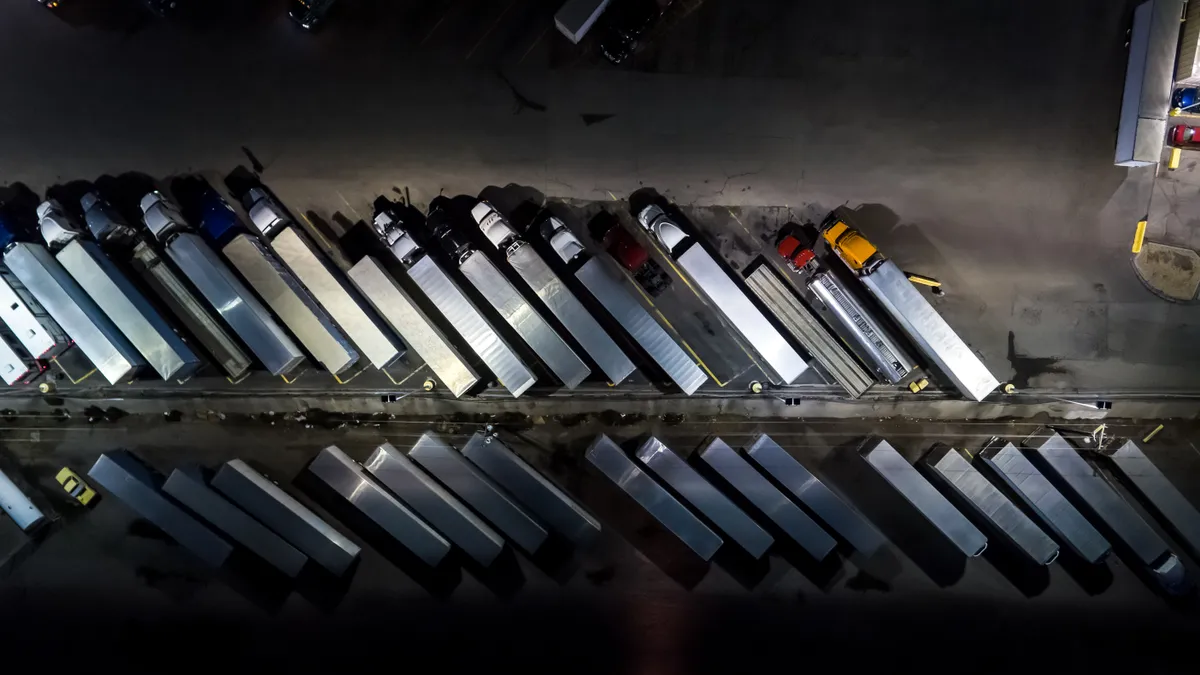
<point x="959" y="129"/>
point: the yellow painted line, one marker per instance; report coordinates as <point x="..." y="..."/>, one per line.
<point x="614" y="197"/>
<point x="73" y="380"/>
<point x="686" y="346"/>
<point x="313" y="229"/>
<point x="1176" y="155"/>
<point x="284" y="378"/>
<point x="489" y="30"/>
<point x="702" y="364"/>
<point x="738" y="220"/>
<point x="1152" y="434"/>
<point x="356" y="374"/>
<point x="406" y="379"/>
<point x="1139" y="236"/>
<point x="699" y="361"/>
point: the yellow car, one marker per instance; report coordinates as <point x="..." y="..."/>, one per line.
<point x="74" y="485"/>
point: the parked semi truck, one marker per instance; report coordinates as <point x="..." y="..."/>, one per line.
<point x="123" y="243"/>
<point x="276" y="284"/>
<point x="312" y="269"/>
<point x="508" y="368"/>
<point x="562" y="303"/>
<point x="909" y="309"/>
<point x="238" y="307"/>
<point x="115" y="294"/>
<point x="69" y="305"/>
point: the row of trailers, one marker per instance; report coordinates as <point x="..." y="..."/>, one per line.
<point x="270" y="299"/>
<point x="431" y="499"/>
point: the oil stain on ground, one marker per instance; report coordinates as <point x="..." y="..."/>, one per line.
<point x="1025" y="368"/>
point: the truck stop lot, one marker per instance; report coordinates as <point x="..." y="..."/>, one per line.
<point x="974" y="142"/>
<point x="1000" y="186"/>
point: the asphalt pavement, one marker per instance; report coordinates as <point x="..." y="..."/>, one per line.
<point x="103" y="582"/>
<point x="976" y="139"/>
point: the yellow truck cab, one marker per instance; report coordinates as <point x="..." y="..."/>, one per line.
<point x="851" y="247"/>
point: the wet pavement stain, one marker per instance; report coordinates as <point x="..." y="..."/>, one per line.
<point x="866" y="582"/>
<point x="145" y="529"/>
<point x="1025" y="368"/>
<point x="602" y="575"/>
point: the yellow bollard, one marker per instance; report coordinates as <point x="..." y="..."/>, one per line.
<point x="1173" y="162"/>
<point x="1139" y="236"/>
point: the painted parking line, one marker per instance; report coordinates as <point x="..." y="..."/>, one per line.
<point x="442" y="18"/>
<point x="535" y="43"/>
<point x="491" y="28"/>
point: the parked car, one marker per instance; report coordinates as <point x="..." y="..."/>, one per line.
<point x="75" y="486"/>
<point x="309" y="14"/>
<point x="1184" y="98"/>
<point x="627" y="22"/>
<point x="1184" y="136"/>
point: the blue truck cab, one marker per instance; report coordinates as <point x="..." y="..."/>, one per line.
<point x="219" y="223"/>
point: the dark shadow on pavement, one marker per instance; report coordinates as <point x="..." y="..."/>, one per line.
<point x="627" y="518"/>
<point x="822" y="573"/>
<point x="439" y="581"/>
<point x="897" y="519"/>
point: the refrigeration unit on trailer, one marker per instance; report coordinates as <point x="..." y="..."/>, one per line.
<point x="1090" y="486"/>
<point x="554" y="293"/>
<point x="345" y="477"/>
<point x="238" y="307"/>
<point x="116" y="296"/>
<point x="1014" y="470"/>
<point x="956" y="472"/>
<point x="30" y="324"/>
<point x="910" y="310"/>
<point x="608" y="289"/>
<point x="499" y="292"/>
<point x="793" y="477"/>
<point x="479" y="492"/>
<point x="444" y="293"/>
<point x="70" y="307"/>
<point x="708" y="500"/>
<point x="276" y="285"/>
<point x="806" y="329"/>
<point x="784" y="364"/>
<point x="908" y="482"/>
<point x="532" y="489"/>
<point x="312" y="269"/>
<point x="119" y="239"/>
<point x="1170" y="504"/>
<point x="288" y="518"/>
<point x="883" y="352"/>
<point x="611" y="460"/>
<point x="424" y="337"/>
<point x="434" y="503"/>
<point x="130" y="481"/>
<point x="737" y="472"/>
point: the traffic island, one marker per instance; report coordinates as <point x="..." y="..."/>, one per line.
<point x="1171" y="272"/>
